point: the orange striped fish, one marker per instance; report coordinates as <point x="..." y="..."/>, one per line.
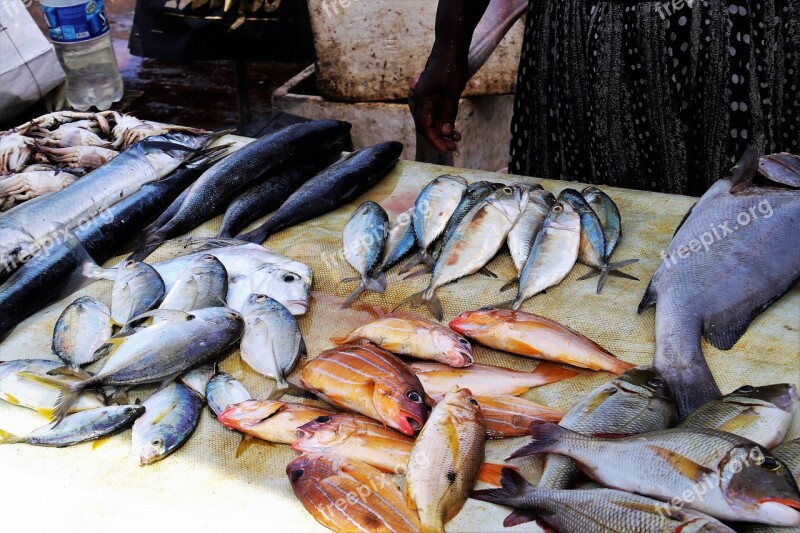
<point x="536" y="336"/>
<point x="349" y="496"/>
<point x="509" y="416"/>
<point x="370" y="381"/>
<point x="270" y="420"/>
<point x="486" y="380"/>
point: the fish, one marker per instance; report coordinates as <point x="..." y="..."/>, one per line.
<point x="363" y="239"/>
<point x="80" y="330"/>
<point x="592" y="249"/>
<point x="198" y="377"/>
<point x="276" y="188"/>
<point x="24" y="231"/>
<point x="552" y="255"/>
<point x="367" y="380"/>
<point x="345" y="495"/>
<point x="476" y="240"/>
<point x="638" y="401"/>
<point x="221" y="183"/>
<point x="224" y="391"/>
<point x="593" y="510"/>
<point x="252" y="269"/>
<point x="752" y="267"/>
<point x="760" y="414"/>
<point x="335" y="186"/>
<point x="80" y="427"/>
<point x="445" y="460"/>
<point x="272" y="343"/>
<point x="434" y="206"/>
<point x="741" y="480"/>
<point x="789" y="453"/>
<point x="16" y="389"/>
<point x="204" y="283"/>
<point x="487" y="380"/>
<point x="154" y="353"/>
<point x="414" y="337"/>
<point x="48" y="277"/>
<point x="535" y="336"/>
<point x="523" y="234"/>
<point x="138" y="288"/>
<point x="508" y="416"/>
<point x="171" y="416"/>
<point x="270" y="420"/>
<point x="400" y="241"/>
<point x="608" y="213"/>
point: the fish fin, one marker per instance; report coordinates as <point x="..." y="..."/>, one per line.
<point x="685" y="466"/>
<point x="484" y="271"/>
<point x="349" y="279"/>
<point x="413" y="261"/>
<point x="46" y="412"/>
<point x="546" y="436"/>
<point x="492" y="473"/>
<point x="517" y="517"/>
<point x="344" y="339"/>
<point x="510" y="283"/>
<point x="69" y="392"/>
<point x="283" y="387"/>
<point x="120" y="396"/>
<point x="501" y="305"/>
<point x="8" y="438"/>
<point x="745" y="169"/>
<point x="649" y="298"/>
<point x="551" y="372"/>
<point x="353" y="296"/>
<point x="781" y="168"/>
<point x="244" y="444"/>
<point x="592" y="273"/>
<point x="512" y="486"/>
<point x="100" y="442"/>
<point x="68" y="371"/>
<point x="421" y="272"/>
<point x="376" y="283"/>
<point x="415" y="300"/>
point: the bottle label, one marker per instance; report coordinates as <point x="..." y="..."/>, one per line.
<point x="71" y="24"/>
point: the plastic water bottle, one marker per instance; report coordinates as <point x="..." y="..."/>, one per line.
<point x="79" y="32"/>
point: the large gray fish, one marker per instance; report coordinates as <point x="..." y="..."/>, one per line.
<point x="81" y="329"/>
<point x="364" y="238"/>
<point x="223" y="391"/>
<point x="638" y="401"/>
<point x="137" y="289"/>
<point x="761" y="414"/>
<point x="734" y="254"/>
<point x="30" y="225"/>
<point x="717" y="473"/>
<point x="272" y="343"/>
<point x="608" y="213"/>
<point x="171" y="416"/>
<point x="204" y="283"/>
<point x="164" y="349"/>
<point x="592" y="510"/>
<point x="79" y="427"/>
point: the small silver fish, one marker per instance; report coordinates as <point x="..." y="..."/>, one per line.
<point x="204" y="283"/>
<point x="138" y="288"/>
<point x="272" y="343"/>
<point x="225" y="390"/>
<point x="81" y="329"/>
<point x="608" y="213"/>
<point x="523" y="234"/>
<point x="170" y="418"/>
<point x="364" y="239"/>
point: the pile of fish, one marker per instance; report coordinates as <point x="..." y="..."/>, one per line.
<point x="52" y="151"/>
<point x="456" y="229"/>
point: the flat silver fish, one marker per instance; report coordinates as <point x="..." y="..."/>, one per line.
<point x="80" y="330"/>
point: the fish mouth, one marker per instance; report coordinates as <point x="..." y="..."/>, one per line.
<point x="794" y="504"/>
<point x="297" y="307"/>
<point x="781" y="511"/>
<point x="409" y="424"/>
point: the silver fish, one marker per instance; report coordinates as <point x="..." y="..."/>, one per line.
<point x="714" y="279"/>
<point x="197" y="378"/>
<point x="80" y="330"/>
<point x="138" y="288"/>
<point x="523" y="234"/>
<point x="171" y="415"/>
<point x="203" y="284"/>
<point x="364" y="239"/>
<point x="272" y="343"/>
<point x="223" y="391"/>
<point x="399" y="241"/>
<point x="79" y="427"/>
<point x="433" y="208"/>
<point x="608" y="213"/>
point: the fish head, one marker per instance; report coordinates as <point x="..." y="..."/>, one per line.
<point x="250" y="414"/>
<point x="563" y="216"/>
<point x="476" y="323"/>
<point x="780" y="395"/>
<point x="511" y="200"/>
<point x="401" y="405"/>
<point x="287" y="287"/>
<point x="324" y="433"/>
<point x="644" y="380"/>
<point x="227" y="322"/>
<point x="456" y="349"/>
<point x="752" y="477"/>
<point x="461" y="405"/>
<point x="307" y="469"/>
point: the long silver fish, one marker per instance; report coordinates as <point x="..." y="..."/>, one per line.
<point x="137" y="289"/>
<point x="24" y="229"/>
<point x="203" y="284"/>
<point x="171" y="415"/>
<point x="523" y="234"/>
<point x="81" y="329"/>
<point x="272" y="343"/>
<point x="474" y="243"/>
<point x="761" y="414"/>
<point x="608" y="213"/>
<point x="734" y="254"/>
<point x="400" y="241"/>
<point x="364" y="238"/>
<point x="79" y="427"/>
<point x="223" y="391"/>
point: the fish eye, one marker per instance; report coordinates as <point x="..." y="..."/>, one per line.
<point x="557" y="208"/>
<point x="157" y="442"/>
<point x="130" y="263"/>
<point x="261" y="298"/>
<point x="473" y="401"/>
<point x="323" y="419"/>
<point x="656" y="382"/>
<point x="769" y="463"/>
<point x="288" y="278"/>
<point x="232" y="315"/>
<point x="463" y="341"/>
<point x="414" y="396"/>
<point x="297" y="474"/>
<point x="128" y="410"/>
<point x="747" y="389"/>
<point x="190" y="317"/>
<point x="508" y="190"/>
<point x="208" y="258"/>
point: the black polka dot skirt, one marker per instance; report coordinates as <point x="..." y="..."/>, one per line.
<point x="661" y="96"/>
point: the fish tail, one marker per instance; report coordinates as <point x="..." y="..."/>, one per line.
<point x="546" y="372"/>
<point x="546" y="437"/>
<point x="376" y="282"/>
<point x="258" y="235"/>
<point x="282" y="386"/>
<point x="354" y="296"/>
<point x="224" y="233"/>
<point x="512" y="487"/>
<point x="8" y="438"/>
<point x="149" y="246"/>
<point x="508" y="304"/>
<point x="492" y="473"/>
<point x="611" y="269"/>
<point x="421" y="272"/>
<point x="411" y="263"/>
<point x="510" y="283"/>
<point x="69" y="392"/>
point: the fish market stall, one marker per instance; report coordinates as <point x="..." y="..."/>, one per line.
<point x="204" y="485"/>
